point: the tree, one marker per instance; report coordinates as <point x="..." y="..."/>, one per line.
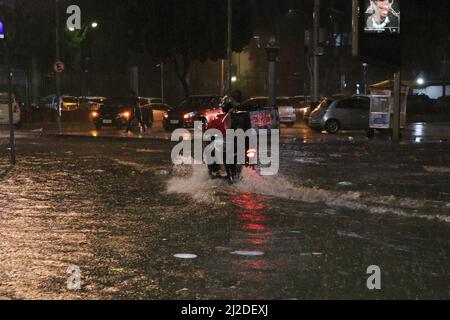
<point x="184" y="31"/>
<point x="425" y="31"/>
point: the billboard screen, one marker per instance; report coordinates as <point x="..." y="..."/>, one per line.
<point x="382" y="16"/>
<point x="2" y="32"/>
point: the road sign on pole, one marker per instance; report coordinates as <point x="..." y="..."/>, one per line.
<point x="58" y="67"/>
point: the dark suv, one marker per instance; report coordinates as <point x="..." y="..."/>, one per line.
<point x="194" y="108"/>
<point x="118" y="111"/>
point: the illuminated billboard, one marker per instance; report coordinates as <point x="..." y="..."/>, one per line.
<point x="382" y="16"/>
<point x="2" y="32"/>
<point x="376" y="29"/>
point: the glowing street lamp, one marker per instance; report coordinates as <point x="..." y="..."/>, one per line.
<point x="94" y="25"/>
<point x="420" y="81"/>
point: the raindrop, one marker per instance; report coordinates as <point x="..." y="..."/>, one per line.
<point x="248" y="253"/>
<point x="185" y="256"/>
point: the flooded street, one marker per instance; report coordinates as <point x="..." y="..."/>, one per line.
<point x="140" y="228"/>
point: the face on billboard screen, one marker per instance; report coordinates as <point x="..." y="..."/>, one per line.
<point x="382" y="16"/>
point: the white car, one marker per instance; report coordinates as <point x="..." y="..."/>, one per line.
<point x="4" y="113"/>
<point x="285" y="106"/>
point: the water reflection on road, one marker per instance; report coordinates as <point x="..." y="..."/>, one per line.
<point x="254" y="239"/>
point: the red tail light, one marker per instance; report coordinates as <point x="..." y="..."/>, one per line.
<point x="251" y="153"/>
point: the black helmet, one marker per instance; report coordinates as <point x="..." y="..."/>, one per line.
<point x="237" y="96"/>
<point x="226" y="103"/>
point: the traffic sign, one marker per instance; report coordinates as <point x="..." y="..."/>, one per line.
<point x="59" y="67"/>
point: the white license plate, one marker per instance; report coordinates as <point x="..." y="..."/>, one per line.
<point x="174" y="121"/>
<point x="107" y="121"/>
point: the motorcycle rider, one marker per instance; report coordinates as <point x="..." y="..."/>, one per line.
<point x="222" y="122"/>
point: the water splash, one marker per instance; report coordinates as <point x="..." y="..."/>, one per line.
<point x="195" y="181"/>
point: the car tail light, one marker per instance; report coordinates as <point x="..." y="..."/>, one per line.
<point x="251" y="153"/>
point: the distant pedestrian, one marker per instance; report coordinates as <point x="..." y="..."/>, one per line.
<point x="136" y="115"/>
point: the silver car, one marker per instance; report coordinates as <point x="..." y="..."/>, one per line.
<point x="4" y="109"/>
<point x="347" y="113"/>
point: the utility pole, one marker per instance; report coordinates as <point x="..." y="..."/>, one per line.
<point x="58" y="76"/>
<point x="222" y="77"/>
<point x="162" y="81"/>
<point x="397" y="107"/>
<point x="229" y="47"/>
<point x="316" y="18"/>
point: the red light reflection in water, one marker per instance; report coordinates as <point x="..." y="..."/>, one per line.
<point x="256" y="237"/>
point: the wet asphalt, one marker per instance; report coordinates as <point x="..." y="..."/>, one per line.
<point x="120" y="211"/>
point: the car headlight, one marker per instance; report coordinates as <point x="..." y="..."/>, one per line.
<point x="125" y="115"/>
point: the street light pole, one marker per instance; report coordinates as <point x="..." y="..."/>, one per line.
<point x="162" y="81"/>
<point x="316" y="49"/>
<point x="272" y="51"/>
<point x="229" y="47"/>
<point x="365" y="65"/>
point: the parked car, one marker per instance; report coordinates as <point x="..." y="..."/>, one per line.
<point x="419" y="104"/>
<point x="306" y="109"/>
<point x="194" y="108"/>
<point x="4" y="110"/>
<point x="285" y="107"/>
<point x="68" y="103"/>
<point x="442" y="105"/>
<point x="300" y="100"/>
<point x="91" y="103"/>
<point x="345" y="113"/>
<point x="152" y="100"/>
<point x="118" y="111"/>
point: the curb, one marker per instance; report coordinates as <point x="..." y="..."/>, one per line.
<point x="111" y="138"/>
